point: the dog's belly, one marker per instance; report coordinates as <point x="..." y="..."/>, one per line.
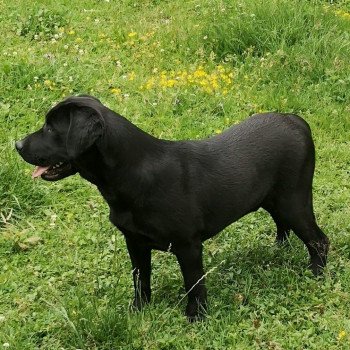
<point x="162" y="229"/>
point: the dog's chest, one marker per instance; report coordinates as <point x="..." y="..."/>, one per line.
<point x="122" y="219"/>
<point x="131" y="225"/>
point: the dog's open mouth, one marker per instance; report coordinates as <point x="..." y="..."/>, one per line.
<point x="53" y="172"/>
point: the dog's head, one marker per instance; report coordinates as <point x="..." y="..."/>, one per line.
<point x="70" y="129"/>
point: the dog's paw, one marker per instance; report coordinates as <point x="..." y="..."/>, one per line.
<point x="196" y="312"/>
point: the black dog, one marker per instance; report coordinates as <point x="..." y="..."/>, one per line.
<point x="173" y="195"/>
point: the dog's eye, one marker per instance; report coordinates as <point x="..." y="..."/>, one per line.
<point x="48" y="128"/>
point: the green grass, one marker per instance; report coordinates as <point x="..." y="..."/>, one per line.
<point x="70" y="287"/>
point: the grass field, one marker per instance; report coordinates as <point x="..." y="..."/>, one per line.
<point x="178" y="70"/>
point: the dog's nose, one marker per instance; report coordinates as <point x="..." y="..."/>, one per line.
<point x="19" y="145"/>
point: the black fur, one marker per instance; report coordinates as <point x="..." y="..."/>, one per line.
<point x="173" y="195"/>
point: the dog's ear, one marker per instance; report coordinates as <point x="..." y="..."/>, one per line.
<point x="86" y="126"/>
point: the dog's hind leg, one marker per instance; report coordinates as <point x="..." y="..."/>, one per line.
<point x="283" y="231"/>
<point x="317" y="243"/>
<point x="282" y="234"/>
<point x="298" y="214"/>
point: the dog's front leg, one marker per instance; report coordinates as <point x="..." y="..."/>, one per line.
<point x="140" y="256"/>
<point x="190" y="260"/>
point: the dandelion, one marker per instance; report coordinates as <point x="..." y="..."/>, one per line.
<point x="116" y="91"/>
<point x="341" y="335"/>
<point x="132" y="34"/>
<point x="217" y="81"/>
<point x="131" y="76"/>
<point x="171" y="83"/>
<point x="71" y="32"/>
<point x="150" y="83"/>
<point x="49" y="84"/>
<point x="199" y="73"/>
<point x="342" y="14"/>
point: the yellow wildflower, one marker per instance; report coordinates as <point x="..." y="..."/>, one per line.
<point x="116" y="91"/>
<point x="131" y="76"/>
<point x="132" y="34"/>
<point x="150" y="83"/>
<point x="71" y="32"/>
<point x="199" y="73"/>
<point x="217" y="81"/>
<point x="171" y="82"/>
<point x="215" y="84"/>
<point x="342" y="13"/>
<point x="221" y="68"/>
<point x="341" y="335"/>
<point x="49" y="84"/>
<point x="190" y="78"/>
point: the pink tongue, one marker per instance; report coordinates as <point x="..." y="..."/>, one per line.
<point x="39" y="170"/>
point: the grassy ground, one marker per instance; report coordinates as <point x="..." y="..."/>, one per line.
<point x="177" y="69"/>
